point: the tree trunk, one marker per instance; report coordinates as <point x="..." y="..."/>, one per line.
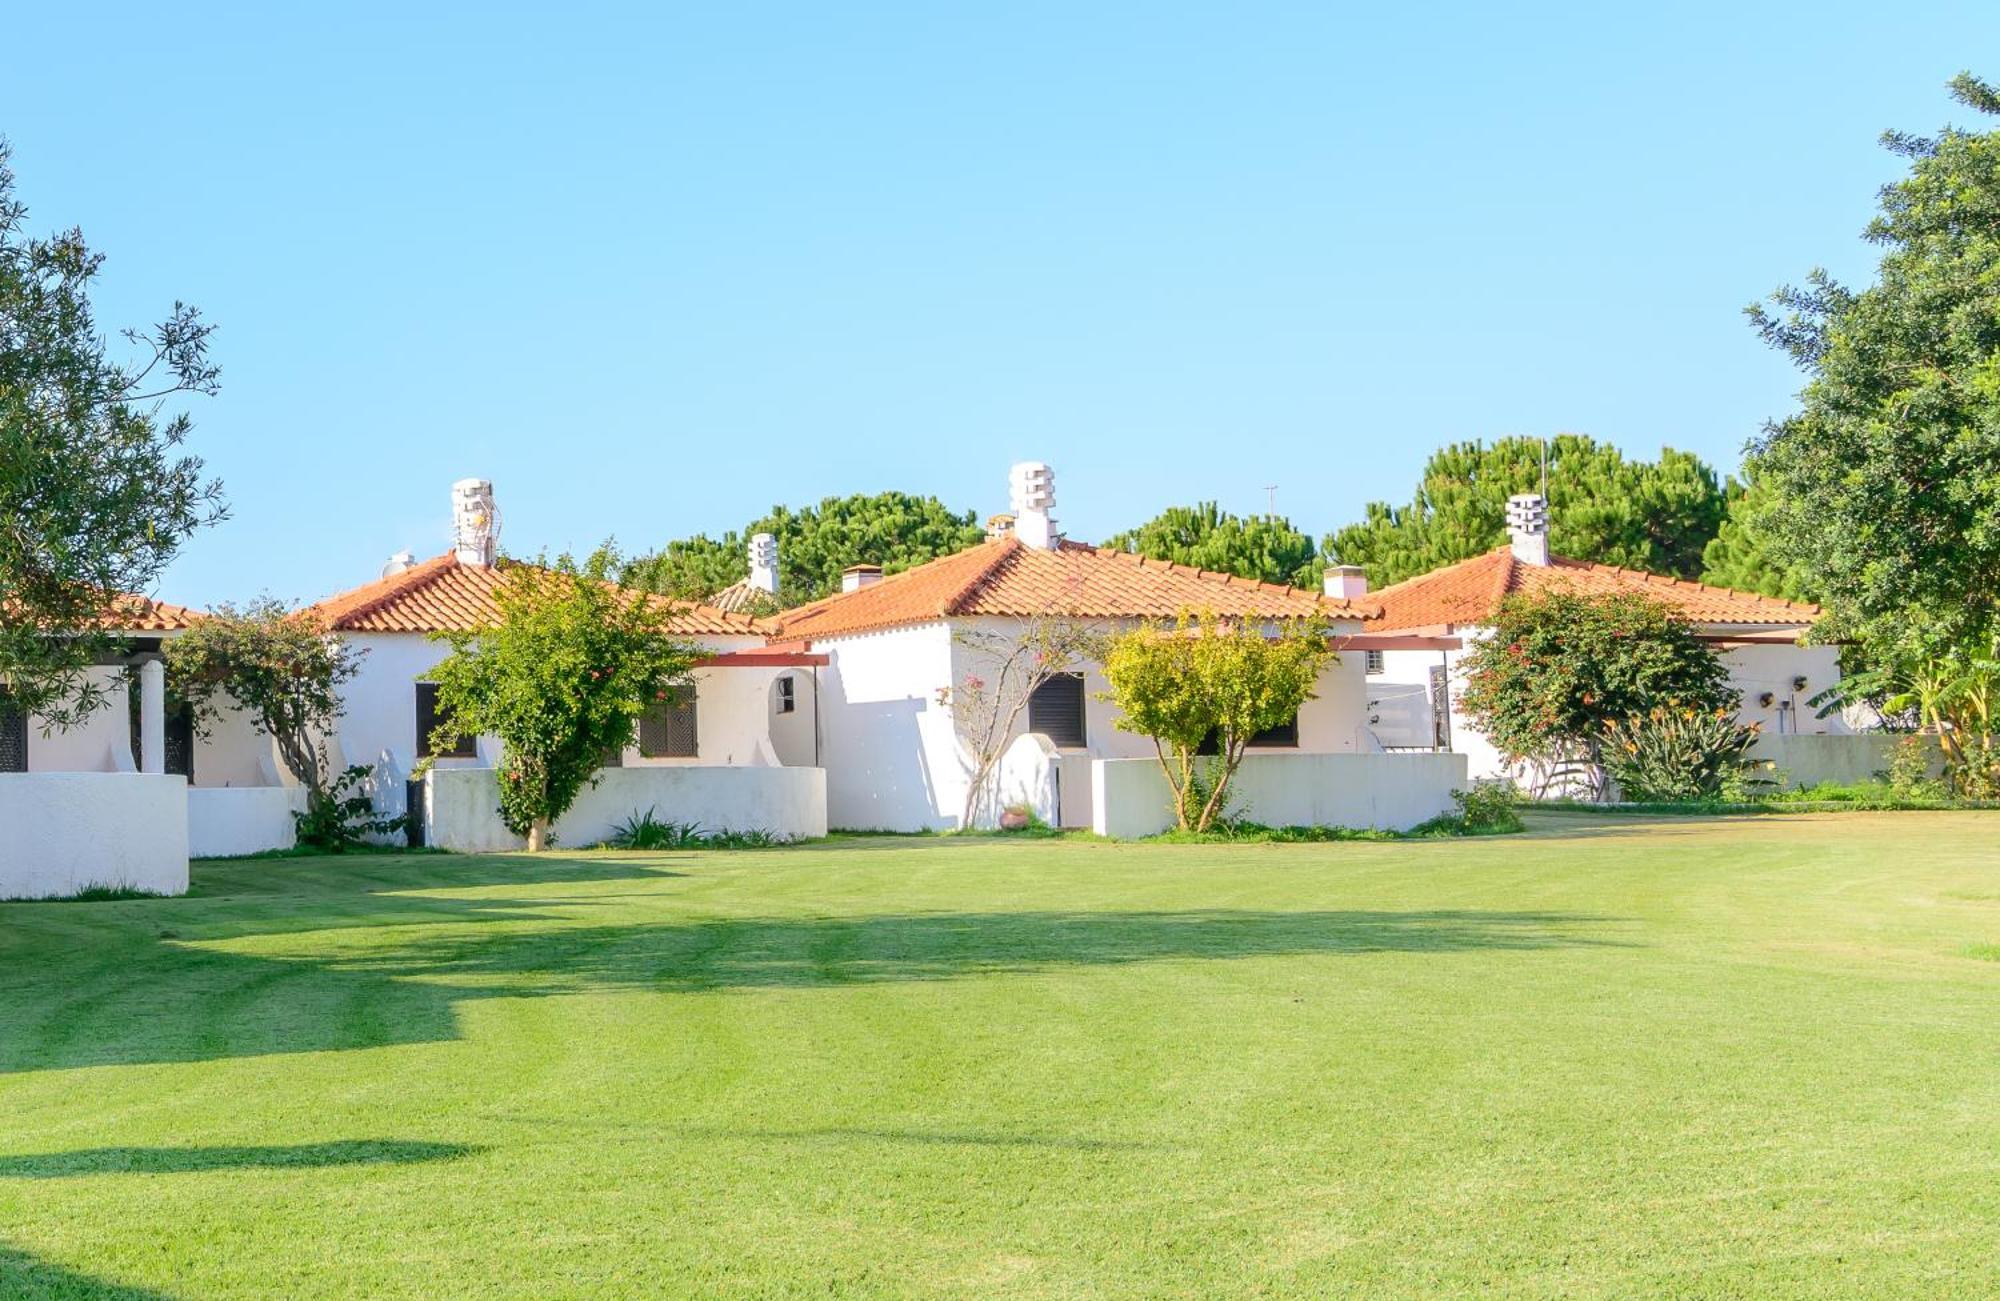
<point x="538" y="835"/>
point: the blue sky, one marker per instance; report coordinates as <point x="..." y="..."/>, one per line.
<point x="653" y="270"/>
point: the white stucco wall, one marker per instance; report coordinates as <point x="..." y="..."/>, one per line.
<point x="67" y="831"/>
<point x="894" y="761"/>
<point x="1808" y="759"/>
<point x="1752" y="671"/>
<point x="462" y="805"/>
<point x="1390" y="792"/>
<point x="225" y="821"/>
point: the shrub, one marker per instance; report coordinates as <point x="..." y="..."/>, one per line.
<point x="1488" y="806"/>
<point x="648" y="831"/>
<point x="1910" y="771"/>
<point x="341" y="816"/>
<point x="1680" y="754"/>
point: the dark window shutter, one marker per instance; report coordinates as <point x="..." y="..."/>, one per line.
<point x="429" y="718"/>
<point x="1056" y="710"/>
<point x="13" y="734"/>
<point x="1284" y="734"/>
<point x="669" y="730"/>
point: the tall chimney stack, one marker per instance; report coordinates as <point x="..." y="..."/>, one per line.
<point x="764" y="563"/>
<point x="1528" y="526"/>
<point x="475" y="522"/>
<point x="1032" y="490"/>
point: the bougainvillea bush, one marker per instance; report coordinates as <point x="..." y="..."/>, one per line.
<point x="1560" y="665"/>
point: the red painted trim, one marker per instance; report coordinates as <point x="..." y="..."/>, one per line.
<point x="763" y="660"/>
<point x="1395" y="641"/>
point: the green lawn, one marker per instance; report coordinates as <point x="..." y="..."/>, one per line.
<point x="1685" y="1056"/>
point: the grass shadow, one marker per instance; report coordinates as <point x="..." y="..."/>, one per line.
<point x="184" y="1160"/>
<point x="23" y="1278"/>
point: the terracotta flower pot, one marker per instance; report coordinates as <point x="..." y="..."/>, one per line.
<point x="1013" y="820"/>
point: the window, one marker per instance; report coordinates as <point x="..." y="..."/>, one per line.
<point x="13" y="734"/>
<point x="1283" y="735"/>
<point x="429" y="719"/>
<point x="787" y="699"/>
<point x="1056" y="710"/>
<point x="1374" y="662"/>
<point x="668" y="730"/>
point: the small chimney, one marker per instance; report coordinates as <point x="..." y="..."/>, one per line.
<point x="1528" y="526"/>
<point x="999" y="526"/>
<point x="1347" y="582"/>
<point x="855" y="577"/>
<point x="764" y="563"/>
<point x="475" y="522"/>
<point x="399" y="562"/>
<point x="1032" y="488"/>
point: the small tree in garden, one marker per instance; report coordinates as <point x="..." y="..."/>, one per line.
<point x="562" y="679"/>
<point x="989" y="699"/>
<point x="1560" y="665"/>
<point x="282" y="668"/>
<point x="1204" y="681"/>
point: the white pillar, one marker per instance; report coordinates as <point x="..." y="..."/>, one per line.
<point x="152" y="716"/>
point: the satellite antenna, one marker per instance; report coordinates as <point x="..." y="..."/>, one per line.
<point x="1271" y="499"/>
<point x="1545" y="468"/>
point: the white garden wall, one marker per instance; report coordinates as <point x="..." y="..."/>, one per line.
<point x="462" y="805"/>
<point x="63" y="832"/>
<point x="1807" y="760"/>
<point x="1389" y="792"/>
<point x="225" y="821"/>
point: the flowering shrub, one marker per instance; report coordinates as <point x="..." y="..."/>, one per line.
<point x="1681" y="754"/>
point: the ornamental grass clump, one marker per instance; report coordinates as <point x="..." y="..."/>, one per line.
<point x="1671" y="755"/>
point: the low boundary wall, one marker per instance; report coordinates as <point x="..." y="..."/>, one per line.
<point x="462" y="805"/>
<point x="1807" y="759"/>
<point x="63" y="832"/>
<point x="1386" y="792"/>
<point x="224" y="821"/>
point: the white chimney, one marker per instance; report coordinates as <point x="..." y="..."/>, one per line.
<point x="855" y="577"/>
<point x="475" y="522"/>
<point x="1528" y="526"/>
<point x="1347" y="582"/>
<point x="1032" y="489"/>
<point x="399" y="562"/>
<point x="764" y="563"/>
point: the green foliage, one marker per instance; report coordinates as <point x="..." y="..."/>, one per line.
<point x="1681" y="754"/>
<point x="1206" y="680"/>
<point x="1740" y="554"/>
<point x="278" y="665"/>
<point x="1652" y="515"/>
<point x="1559" y="666"/>
<point x="339" y="817"/>
<point x="96" y="496"/>
<point x="1948" y="688"/>
<point x="649" y="831"/>
<point x="1487" y="807"/>
<point x="1910" y="775"/>
<point x="1886" y="480"/>
<point x="895" y="530"/>
<point x="562" y="680"/>
<point x="1265" y="547"/>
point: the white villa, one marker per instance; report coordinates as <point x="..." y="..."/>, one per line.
<point x="840" y="713"/>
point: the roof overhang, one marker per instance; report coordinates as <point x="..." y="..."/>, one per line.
<point x="1398" y="641"/>
<point x="1751" y="635"/>
<point x="764" y="659"/>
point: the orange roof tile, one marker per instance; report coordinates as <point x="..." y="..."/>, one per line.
<point x="131" y="613"/>
<point x="1470" y="591"/>
<point x="1007" y="577"/>
<point x="444" y="595"/>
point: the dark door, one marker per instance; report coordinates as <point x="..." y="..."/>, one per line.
<point x="13" y="734"/>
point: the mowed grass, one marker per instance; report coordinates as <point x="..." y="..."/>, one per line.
<point x="1671" y="1057"/>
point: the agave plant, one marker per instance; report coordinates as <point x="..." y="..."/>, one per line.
<point x="1675" y="753"/>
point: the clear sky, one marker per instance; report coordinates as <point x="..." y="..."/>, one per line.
<point x="654" y="268"/>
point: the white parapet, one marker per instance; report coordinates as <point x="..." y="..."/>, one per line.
<point x="224" y="821"/>
<point x="1385" y="792"/>
<point x="462" y="805"/>
<point x="64" y="832"/>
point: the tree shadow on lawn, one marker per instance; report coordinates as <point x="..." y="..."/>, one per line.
<point x="21" y="1275"/>
<point x="184" y="1160"/>
<point x="380" y="984"/>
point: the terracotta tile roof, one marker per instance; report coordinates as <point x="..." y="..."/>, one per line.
<point x="443" y="595"/>
<point x="737" y="598"/>
<point x="1006" y="577"/>
<point x="144" y="614"/>
<point x="1470" y="591"/>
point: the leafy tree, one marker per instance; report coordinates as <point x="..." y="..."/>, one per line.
<point x="1265" y="547"/>
<point x="95" y="498"/>
<point x="1559" y="666"/>
<point x="1886" y="479"/>
<point x="276" y="664"/>
<point x="1740" y="554"/>
<point x="1204" y="682"/>
<point x="988" y="701"/>
<point x="562" y="679"/>
<point x="279" y="666"/>
<point x="1652" y="515"/>
<point x="895" y="530"/>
